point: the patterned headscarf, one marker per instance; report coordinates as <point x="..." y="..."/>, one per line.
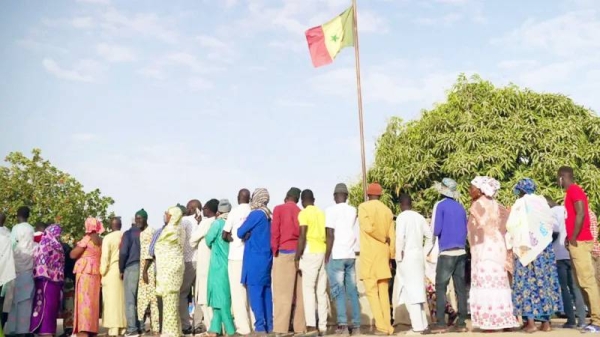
<point x="526" y="186"/>
<point x="49" y="257"/>
<point x="176" y="215"/>
<point x="488" y="185"/>
<point x="260" y="199"/>
<point x="93" y="225"/>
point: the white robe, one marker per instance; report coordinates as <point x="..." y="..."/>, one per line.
<point x="202" y="259"/>
<point x="411" y="228"/>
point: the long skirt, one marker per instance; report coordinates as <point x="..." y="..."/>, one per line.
<point x="490" y="295"/>
<point x="87" y="303"/>
<point x="46" y="305"/>
<point x="536" y="290"/>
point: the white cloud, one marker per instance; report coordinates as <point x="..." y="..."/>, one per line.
<point x="41" y="47"/>
<point x="115" y="53"/>
<point x="153" y="72"/>
<point x="70" y="75"/>
<point x="191" y="61"/>
<point x="144" y="24"/>
<point x="517" y="64"/>
<point x="567" y="35"/>
<point x="199" y="84"/>
<point x="83" y="137"/>
<point x="293" y="45"/>
<point x="385" y="86"/>
<point x="369" y="22"/>
<point x="85" y="22"/>
<point x="211" y="42"/>
<point x="96" y="2"/>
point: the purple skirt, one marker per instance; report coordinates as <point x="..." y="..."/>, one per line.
<point x="46" y="306"/>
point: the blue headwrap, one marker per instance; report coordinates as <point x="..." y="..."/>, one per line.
<point x="526" y="186"/>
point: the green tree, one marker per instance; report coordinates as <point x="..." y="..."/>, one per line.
<point x="53" y="196"/>
<point x="507" y="133"/>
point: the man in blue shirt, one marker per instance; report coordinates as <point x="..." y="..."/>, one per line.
<point x="450" y="230"/>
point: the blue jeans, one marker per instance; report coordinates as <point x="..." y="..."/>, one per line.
<point x="342" y="281"/>
<point x="569" y="290"/>
<point x="131" y="277"/>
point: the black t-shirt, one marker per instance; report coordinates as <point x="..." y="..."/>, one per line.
<point x="69" y="262"/>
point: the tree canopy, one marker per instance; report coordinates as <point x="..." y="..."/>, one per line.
<point x="507" y="133"/>
<point x="52" y="195"/>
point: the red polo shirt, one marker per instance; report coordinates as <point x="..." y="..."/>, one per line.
<point x="575" y="194"/>
<point x="285" y="229"/>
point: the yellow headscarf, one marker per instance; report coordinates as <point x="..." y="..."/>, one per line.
<point x="176" y="215"/>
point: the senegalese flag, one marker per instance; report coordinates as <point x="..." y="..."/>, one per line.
<point x="326" y="41"/>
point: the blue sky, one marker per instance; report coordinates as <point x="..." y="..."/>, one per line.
<point x="157" y="102"/>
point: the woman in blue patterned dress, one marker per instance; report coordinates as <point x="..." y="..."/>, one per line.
<point x="536" y="290"/>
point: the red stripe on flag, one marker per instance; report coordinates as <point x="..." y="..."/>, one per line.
<point x="316" y="45"/>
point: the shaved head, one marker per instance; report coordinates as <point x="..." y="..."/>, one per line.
<point x="243" y="196"/>
<point x="192" y="206"/>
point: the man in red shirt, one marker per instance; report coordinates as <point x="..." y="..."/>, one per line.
<point x="580" y="243"/>
<point x="285" y="232"/>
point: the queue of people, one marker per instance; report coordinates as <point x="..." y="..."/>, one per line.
<point x="252" y="271"/>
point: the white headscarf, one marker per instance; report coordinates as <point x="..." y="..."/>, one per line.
<point x="488" y="185"/>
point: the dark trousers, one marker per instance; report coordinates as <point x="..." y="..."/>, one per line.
<point x="569" y="291"/>
<point x="451" y="267"/>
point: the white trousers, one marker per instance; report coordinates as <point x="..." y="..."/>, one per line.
<point x="314" y="288"/>
<point x="418" y="319"/>
<point x="243" y="317"/>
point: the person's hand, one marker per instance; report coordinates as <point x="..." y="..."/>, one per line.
<point x="387" y="241"/>
<point x="573" y="243"/>
<point x="198" y="218"/>
<point x="226" y="236"/>
<point x="327" y="258"/>
<point x="429" y="258"/>
<point x="121" y="276"/>
<point x="145" y="277"/>
<point x="297" y="263"/>
<point x="246" y="237"/>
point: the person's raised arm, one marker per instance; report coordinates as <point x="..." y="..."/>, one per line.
<point x="251" y="221"/>
<point x="368" y="226"/>
<point x="276" y="230"/>
<point x="199" y="233"/>
<point x="79" y="248"/>
<point x="226" y="233"/>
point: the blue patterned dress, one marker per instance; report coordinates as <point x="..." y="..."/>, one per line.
<point x="536" y="291"/>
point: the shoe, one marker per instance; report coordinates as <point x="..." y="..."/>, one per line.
<point x="199" y="329"/>
<point x="187" y="332"/>
<point x="436" y="329"/>
<point x="342" y="330"/>
<point x="591" y="329"/>
<point x="132" y="334"/>
<point x="569" y="326"/>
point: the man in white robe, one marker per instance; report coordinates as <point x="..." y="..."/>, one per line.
<point x="411" y="229"/>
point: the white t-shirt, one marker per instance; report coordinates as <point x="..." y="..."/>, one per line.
<point x="342" y="219"/>
<point x="235" y="219"/>
<point x="561" y="252"/>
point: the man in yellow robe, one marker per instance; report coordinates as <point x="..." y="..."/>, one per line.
<point x="377" y="244"/>
<point x="113" y="294"/>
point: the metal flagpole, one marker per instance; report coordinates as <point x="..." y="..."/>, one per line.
<point x="360" y="105"/>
